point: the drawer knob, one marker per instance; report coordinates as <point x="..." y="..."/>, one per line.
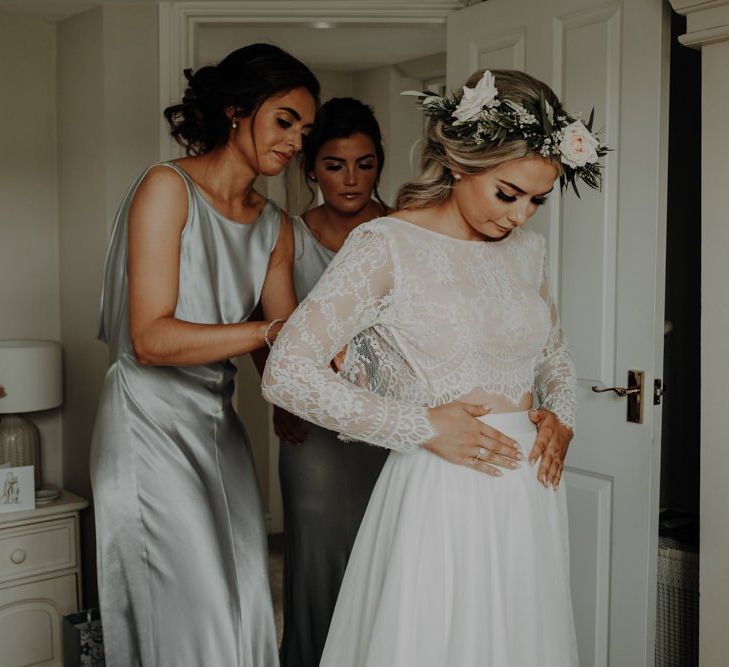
<point x="18" y="556"/>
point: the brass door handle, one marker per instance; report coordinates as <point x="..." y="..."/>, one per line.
<point x="634" y="392"/>
<point x="620" y="391"/>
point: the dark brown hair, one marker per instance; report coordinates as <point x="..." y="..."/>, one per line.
<point x="243" y="80"/>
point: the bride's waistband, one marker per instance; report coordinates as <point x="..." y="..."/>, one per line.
<point x="510" y="422"/>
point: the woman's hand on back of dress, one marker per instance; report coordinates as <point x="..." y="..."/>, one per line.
<point x="553" y="440"/>
<point x="288" y="427"/>
<point x="465" y="440"/>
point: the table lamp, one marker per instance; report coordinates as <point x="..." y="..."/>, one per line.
<point x="30" y="380"/>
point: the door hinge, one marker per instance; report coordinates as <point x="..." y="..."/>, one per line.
<point x="658" y="391"/>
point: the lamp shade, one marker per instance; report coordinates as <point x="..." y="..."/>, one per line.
<point x="30" y="372"/>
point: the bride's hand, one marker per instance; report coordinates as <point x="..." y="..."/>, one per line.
<point x="338" y="362"/>
<point x="465" y="440"/>
<point x="553" y="440"/>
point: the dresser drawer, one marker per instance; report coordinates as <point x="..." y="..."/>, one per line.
<point x="37" y="548"/>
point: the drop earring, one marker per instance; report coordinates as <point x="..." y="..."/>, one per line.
<point x="234" y="124"/>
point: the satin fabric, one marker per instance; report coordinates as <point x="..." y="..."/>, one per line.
<point x="325" y="484"/>
<point x="181" y="543"/>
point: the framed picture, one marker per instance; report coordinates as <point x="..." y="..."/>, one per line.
<point x="17" y="489"/>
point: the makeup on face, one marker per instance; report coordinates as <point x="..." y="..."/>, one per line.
<point x="279" y="128"/>
<point x="346" y="171"/>
<point x="493" y="203"/>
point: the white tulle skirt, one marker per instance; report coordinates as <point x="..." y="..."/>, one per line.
<point x="454" y="568"/>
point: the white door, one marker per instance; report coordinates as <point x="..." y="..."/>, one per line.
<point x="606" y="255"/>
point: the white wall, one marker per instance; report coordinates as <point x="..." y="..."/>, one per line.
<point x="399" y="119"/>
<point x="333" y="84"/>
<point x="82" y="230"/>
<point x="29" y="304"/>
<point x="406" y="131"/>
<point x="107" y="128"/>
<point x="131" y="96"/>
<point x="107" y="133"/>
<point x="372" y="87"/>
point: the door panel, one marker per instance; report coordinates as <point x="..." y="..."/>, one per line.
<point x="606" y="265"/>
<point x="587" y="64"/>
<point x="590" y="521"/>
<point x="503" y="52"/>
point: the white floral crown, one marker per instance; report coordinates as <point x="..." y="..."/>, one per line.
<point x="482" y="118"/>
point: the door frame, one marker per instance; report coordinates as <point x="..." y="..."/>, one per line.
<point x="179" y="23"/>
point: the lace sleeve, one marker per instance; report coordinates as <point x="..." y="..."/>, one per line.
<point x="380" y="368"/>
<point x="555" y="379"/>
<point x="349" y="298"/>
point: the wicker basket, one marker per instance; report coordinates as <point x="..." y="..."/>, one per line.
<point x="677" y="619"/>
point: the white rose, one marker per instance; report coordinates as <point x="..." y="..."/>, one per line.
<point x="475" y="99"/>
<point x="578" y="147"/>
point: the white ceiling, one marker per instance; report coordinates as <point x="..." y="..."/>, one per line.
<point x="57" y="10"/>
<point x="343" y="48"/>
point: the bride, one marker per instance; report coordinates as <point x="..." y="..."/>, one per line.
<point x="450" y="567"/>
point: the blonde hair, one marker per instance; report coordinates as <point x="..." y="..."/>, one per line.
<point x="445" y="152"/>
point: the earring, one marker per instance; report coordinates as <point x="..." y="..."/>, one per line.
<point x="457" y="177"/>
<point x="234" y="125"/>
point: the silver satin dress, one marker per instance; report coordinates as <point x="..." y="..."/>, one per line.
<point x="326" y="485"/>
<point x="181" y="543"/>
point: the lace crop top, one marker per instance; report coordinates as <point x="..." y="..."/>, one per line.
<point x="438" y="317"/>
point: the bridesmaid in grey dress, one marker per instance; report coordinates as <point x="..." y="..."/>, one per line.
<point x="180" y="535"/>
<point x="326" y="483"/>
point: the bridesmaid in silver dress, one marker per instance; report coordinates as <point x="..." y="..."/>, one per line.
<point x="326" y="483"/>
<point x="180" y="535"/>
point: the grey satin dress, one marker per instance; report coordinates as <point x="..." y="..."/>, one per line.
<point x="181" y="543"/>
<point x="326" y="485"/>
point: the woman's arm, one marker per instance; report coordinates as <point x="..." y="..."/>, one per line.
<point x="555" y="378"/>
<point x="156" y="219"/>
<point x="298" y="376"/>
<point x="555" y="388"/>
<point x="278" y="301"/>
<point x="278" y="297"/>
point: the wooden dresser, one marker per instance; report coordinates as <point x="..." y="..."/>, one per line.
<point x="40" y="580"/>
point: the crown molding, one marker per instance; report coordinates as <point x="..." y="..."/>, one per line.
<point x="343" y="11"/>
<point x="690" y="6"/>
<point x="707" y="21"/>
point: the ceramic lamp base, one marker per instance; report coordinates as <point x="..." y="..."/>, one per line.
<point x="20" y="443"/>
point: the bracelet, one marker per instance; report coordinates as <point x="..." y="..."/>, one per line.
<point x="267" y="331"/>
